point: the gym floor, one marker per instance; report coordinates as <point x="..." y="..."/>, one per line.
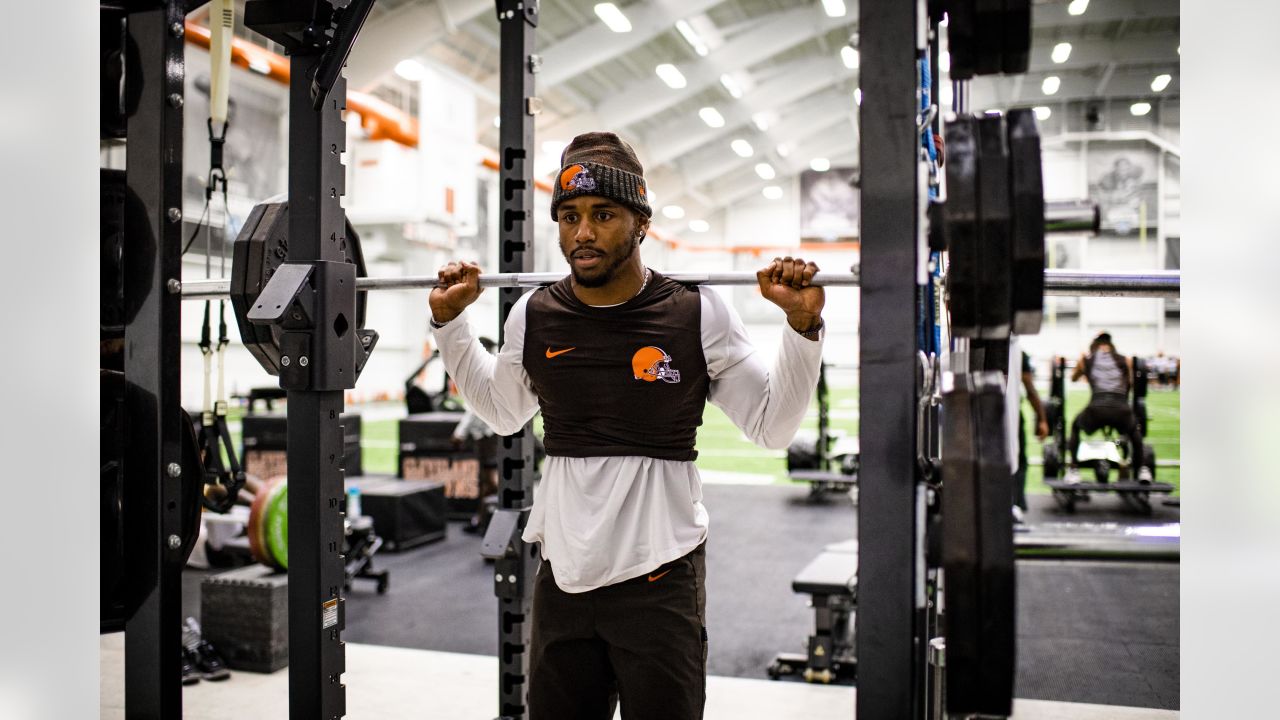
<point x="1089" y="633"/>
<point x="1093" y="637"/>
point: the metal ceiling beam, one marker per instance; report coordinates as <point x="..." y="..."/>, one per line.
<point x="596" y="43"/>
<point x="726" y="161"/>
<point x="775" y="34"/>
<point x="1094" y="52"/>
<point x="996" y="93"/>
<point x="1055" y="14"/>
<point x="801" y="78"/>
<point x="403" y="33"/>
<point x="744" y="183"/>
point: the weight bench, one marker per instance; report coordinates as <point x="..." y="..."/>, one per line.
<point x="831" y="579"/>
<point x="822" y="481"/>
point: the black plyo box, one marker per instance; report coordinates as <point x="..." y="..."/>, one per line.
<point x="427" y="452"/>
<point x="405" y="513"/>
<point x="266" y="439"/>
<point x="244" y="614"/>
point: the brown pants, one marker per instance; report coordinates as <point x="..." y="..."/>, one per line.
<point x="642" y="642"/>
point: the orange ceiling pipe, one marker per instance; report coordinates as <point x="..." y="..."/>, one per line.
<point x="385" y="122"/>
<point x="381" y="120"/>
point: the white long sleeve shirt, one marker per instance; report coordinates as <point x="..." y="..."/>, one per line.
<point x="603" y="520"/>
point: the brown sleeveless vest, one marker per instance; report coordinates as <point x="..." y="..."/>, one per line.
<point x="623" y="380"/>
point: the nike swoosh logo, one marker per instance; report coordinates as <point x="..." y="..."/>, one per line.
<point x="655" y="578"/>
<point x="558" y="352"/>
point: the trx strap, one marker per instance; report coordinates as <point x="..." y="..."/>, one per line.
<point x="215" y="437"/>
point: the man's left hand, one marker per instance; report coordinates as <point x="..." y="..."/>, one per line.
<point x="787" y="283"/>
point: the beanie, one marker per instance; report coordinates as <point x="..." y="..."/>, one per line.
<point x="601" y="163"/>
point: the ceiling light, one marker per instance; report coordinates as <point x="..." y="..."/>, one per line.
<point x="691" y="36"/>
<point x="857" y="96"/>
<point x="1077" y="7"/>
<point x="834" y="8"/>
<point x="820" y="164"/>
<point x="1140" y="108"/>
<point x="1061" y="52"/>
<point x="675" y="212"/>
<point x="742" y="147"/>
<point x="783" y="150"/>
<point x="699" y="226"/>
<point x="765" y="171"/>
<point x="945" y="94"/>
<point x="761" y="121"/>
<point x="772" y="192"/>
<point x="944" y="61"/>
<point x="671" y="75"/>
<point x="711" y="117"/>
<point x="1050" y="85"/>
<point x="850" y="57"/>
<point x="613" y="17"/>
<point x="497" y="121"/>
<point x="1160" y="82"/>
<point x="731" y="85"/>
<point x="411" y="70"/>
<point x="1042" y="112"/>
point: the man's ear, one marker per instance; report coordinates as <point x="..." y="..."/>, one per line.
<point x="642" y="228"/>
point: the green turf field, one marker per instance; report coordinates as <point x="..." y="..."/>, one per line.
<point x="722" y="447"/>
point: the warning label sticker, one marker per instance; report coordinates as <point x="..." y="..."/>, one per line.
<point x="330" y="614"/>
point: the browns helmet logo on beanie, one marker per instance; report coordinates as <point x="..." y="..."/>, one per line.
<point x="602" y="164"/>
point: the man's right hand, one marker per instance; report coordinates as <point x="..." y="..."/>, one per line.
<point x="458" y="287"/>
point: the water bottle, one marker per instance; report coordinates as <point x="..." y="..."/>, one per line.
<point x="353" y="502"/>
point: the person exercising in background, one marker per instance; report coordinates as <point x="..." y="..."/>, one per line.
<point x="1042" y="431"/>
<point x="1110" y="376"/>
<point x="622" y="361"/>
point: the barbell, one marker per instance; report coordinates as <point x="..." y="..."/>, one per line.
<point x="1150" y="284"/>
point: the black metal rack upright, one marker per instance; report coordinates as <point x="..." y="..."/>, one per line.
<point x="891" y="632"/>
<point x="316" y="222"/>
<point x="513" y="572"/>
<point x="151" y="261"/>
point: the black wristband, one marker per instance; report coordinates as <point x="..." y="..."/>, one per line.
<point x="814" y="332"/>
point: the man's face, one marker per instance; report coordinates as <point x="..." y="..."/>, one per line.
<point x="597" y="236"/>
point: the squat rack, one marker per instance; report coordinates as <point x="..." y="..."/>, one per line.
<point x="893" y="630"/>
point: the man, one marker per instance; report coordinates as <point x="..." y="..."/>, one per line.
<point x="1042" y="431"/>
<point x="1110" y="376"/>
<point x="621" y="361"/>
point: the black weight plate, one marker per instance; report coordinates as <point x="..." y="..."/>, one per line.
<point x="995" y="256"/>
<point x="192" y="487"/>
<point x="989" y="36"/>
<point x="960" y="536"/>
<point x="111" y="542"/>
<point x="1027" y="200"/>
<point x="262" y="235"/>
<point x="961" y="42"/>
<point x="997" y="602"/>
<point x="1017" y="37"/>
<point x="961" y="215"/>
<point x="260" y="249"/>
<point x="111" y="263"/>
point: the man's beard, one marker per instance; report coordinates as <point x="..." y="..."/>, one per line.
<point x="604" y="273"/>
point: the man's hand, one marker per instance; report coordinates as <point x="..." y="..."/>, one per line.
<point x="786" y="282"/>
<point x="458" y="287"/>
<point x="1042" y="429"/>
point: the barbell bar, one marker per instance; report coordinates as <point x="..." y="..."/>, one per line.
<point x="1152" y="284"/>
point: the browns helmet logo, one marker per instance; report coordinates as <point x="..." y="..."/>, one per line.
<point x="651" y="364"/>
<point x="576" y="177"/>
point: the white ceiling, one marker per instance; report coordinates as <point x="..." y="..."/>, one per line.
<point x="784" y="54"/>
